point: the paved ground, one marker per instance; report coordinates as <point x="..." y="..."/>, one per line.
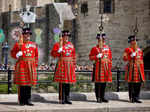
<point x="49" y="103"/>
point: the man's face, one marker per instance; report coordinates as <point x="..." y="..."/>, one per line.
<point x="133" y="42"/>
<point x="65" y="39"/>
<point x="100" y="40"/>
<point x="26" y="37"/>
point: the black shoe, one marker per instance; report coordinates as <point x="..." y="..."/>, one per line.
<point x="29" y="104"/>
<point x="137" y="101"/>
<point x="68" y="102"/>
<point x="21" y="104"/>
<point x="104" y="100"/>
<point x="132" y="100"/>
<point x="99" y="100"/>
<point x="61" y="102"/>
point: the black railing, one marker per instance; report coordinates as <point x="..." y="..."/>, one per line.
<point x="87" y="73"/>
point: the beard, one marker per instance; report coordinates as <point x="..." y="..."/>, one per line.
<point x="26" y="39"/>
<point x="65" y="41"/>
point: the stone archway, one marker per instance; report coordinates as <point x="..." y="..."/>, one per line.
<point x="147" y="58"/>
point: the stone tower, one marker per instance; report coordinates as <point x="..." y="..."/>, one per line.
<point x="118" y="26"/>
<point x="18" y="4"/>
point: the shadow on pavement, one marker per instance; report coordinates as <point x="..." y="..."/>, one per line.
<point x="9" y="103"/>
<point x="38" y="98"/>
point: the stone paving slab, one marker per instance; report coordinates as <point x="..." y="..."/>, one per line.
<point x="49" y="103"/>
<point x="80" y="106"/>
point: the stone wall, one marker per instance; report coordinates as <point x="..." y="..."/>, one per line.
<point x="43" y="2"/>
<point x="118" y="28"/>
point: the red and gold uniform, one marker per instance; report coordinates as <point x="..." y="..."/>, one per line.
<point x="102" y="57"/>
<point x="65" y="68"/>
<point x="25" y="68"/>
<point x="102" y="71"/>
<point x="25" y="75"/>
<point x="134" y="75"/>
<point x="135" y="66"/>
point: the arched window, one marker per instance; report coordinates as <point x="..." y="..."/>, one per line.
<point x="106" y="6"/>
<point x="84" y="8"/>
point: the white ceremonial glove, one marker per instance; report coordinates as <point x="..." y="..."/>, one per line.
<point x="99" y="55"/>
<point x="60" y="50"/>
<point x="133" y="54"/>
<point x="19" y="54"/>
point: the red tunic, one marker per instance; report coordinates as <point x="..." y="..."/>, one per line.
<point x="25" y="68"/>
<point x="135" y="66"/>
<point x="102" y="71"/>
<point x="65" y="68"/>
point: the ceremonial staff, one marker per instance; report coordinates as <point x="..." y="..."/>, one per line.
<point x="100" y="43"/>
<point x="61" y="61"/>
<point x="135" y="31"/>
<point x="100" y="29"/>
